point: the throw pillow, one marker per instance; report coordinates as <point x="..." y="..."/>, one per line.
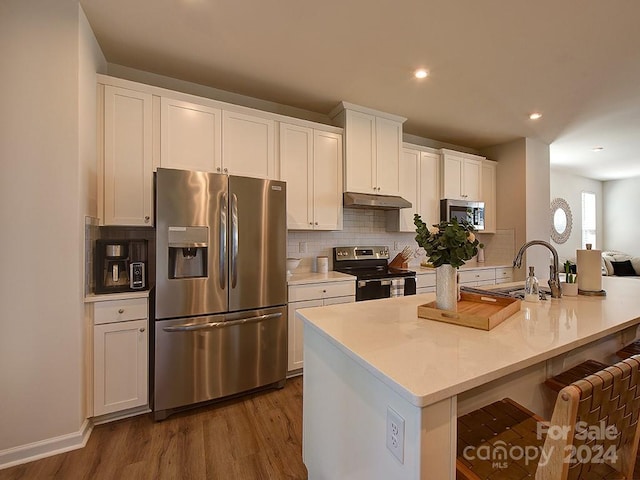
<point x="623" y="269"/>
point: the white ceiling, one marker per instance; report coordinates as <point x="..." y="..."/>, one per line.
<point x="491" y="63"/>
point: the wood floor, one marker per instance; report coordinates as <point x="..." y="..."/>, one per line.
<point x="255" y="437"/>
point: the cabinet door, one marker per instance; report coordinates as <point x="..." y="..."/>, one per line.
<point x="429" y="188"/>
<point x="489" y="195"/>
<point x="360" y="138"/>
<point x="388" y="148"/>
<point x="248" y="145"/>
<point x="190" y="136"/>
<point x="327" y="181"/>
<point x="296" y="340"/>
<point x="472" y="180"/>
<point x="120" y="366"/>
<point x="409" y="186"/>
<point x="451" y="177"/>
<point x="338" y="300"/>
<point x="296" y="164"/>
<point x="128" y="163"/>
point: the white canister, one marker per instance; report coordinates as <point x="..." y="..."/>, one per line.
<point x="322" y="264"/>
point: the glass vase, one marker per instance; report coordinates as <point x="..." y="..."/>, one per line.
<point x="446" y="288"/>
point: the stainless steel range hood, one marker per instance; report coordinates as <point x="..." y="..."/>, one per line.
<point x="379" y="202"/>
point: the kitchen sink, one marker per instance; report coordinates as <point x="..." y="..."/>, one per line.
<point x="517" y="291"/>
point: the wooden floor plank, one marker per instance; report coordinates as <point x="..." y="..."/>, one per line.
<point x="258" y="436"/>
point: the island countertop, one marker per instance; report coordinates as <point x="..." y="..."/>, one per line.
<point x="409" y="353"/>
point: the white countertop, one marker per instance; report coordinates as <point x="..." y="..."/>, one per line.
<point x="101" y="297"/>
<point x="426" y="361"/>
<point x="313" y="277"/>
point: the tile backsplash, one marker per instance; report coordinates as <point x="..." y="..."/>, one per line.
<point x="368" y="227"/>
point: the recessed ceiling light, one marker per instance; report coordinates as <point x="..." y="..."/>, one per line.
<point x="535" y="116"/>
<point x="598" y="148"/>
<point x="421" y="73"/>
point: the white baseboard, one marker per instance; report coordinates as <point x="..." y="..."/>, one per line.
<point x="46" y="448"/>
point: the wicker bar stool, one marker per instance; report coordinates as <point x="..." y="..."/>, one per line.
<point x="580" y="371"/>
<point x="593" y="433"/>
<point x="630" y="350"/>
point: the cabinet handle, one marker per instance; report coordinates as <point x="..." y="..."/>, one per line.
<point x="324" y="291"/>
<point x="310" y="223"/>
<point x="316" y="223"/>
<point x="147" y="218"/>
<point x="121" y="310"/>
<point x="218" y="169"/>
<point x="142" y="330"/>
<point x="226" y="171"/>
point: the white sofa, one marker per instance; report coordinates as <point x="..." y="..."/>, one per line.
<point x="612" y="256"/>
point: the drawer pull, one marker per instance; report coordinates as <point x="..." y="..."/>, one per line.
<point x="142" y="330"/>
<point x="121" y="310"/>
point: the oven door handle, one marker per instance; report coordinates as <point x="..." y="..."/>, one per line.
<point x="382" y="281"/>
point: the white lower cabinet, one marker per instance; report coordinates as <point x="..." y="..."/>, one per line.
<point x="120" y="355"/>
<point x="504" y="275"/>
<point x="312" y="295"/>
<point x="477" y="277"/>
<point x="472" y="277"/>
<point x="426" y="282"/>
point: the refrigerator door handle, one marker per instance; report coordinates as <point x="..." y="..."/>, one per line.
<point x="234" y="240"/>
<point x="222" y="261"/>
<point x="190" y="327"/>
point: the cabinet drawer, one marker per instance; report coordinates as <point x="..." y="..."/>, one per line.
<point x="120" y="310"/>
<point x="338" y="300"/>
<point x="425" y="280"/>
<point x="477" y="275"/>
<point x="503" y="274"/>
<point x="425" y="290"/>
<point x="313" y="291"/>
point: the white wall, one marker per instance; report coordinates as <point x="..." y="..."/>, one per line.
<point x="621" y="224"/>
<point x="570" y="187"/>
<point x="522" y="198"/>
<point x="41" y="308"/>
<point x="537" y="206"/>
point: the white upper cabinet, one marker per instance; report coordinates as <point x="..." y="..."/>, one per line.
<point x="191" y="136"/>
<point x="373" y="142"/>
<point x="419" y="184"/>
<point x="311" y="164"/>
<point x="489" y="169"/>
<point x="248" y="145"/>
<point x="429" y="190"/>
<point x="461" y="175"/>
<point x="125" y="173"/>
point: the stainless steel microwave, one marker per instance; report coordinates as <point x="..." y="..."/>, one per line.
<point x="473" y="212"/>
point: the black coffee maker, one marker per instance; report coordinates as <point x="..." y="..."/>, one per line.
<point x="120" y="265"/>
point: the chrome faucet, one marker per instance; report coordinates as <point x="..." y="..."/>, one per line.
<point x="554" y="274"/>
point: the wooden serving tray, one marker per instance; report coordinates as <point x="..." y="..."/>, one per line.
<point x="474" y="310"/>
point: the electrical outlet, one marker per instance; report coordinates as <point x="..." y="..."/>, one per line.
<point x="395" y="434"/>
<point x="303" y="247"/>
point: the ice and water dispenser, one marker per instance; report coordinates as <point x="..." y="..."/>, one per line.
<point x="188" y="250"/>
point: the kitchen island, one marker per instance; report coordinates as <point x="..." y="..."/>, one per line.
<point x="366" y="360"/>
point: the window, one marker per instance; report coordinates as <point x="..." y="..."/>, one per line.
<point x="588" y="219"/>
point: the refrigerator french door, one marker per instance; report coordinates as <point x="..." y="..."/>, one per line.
<point x="220" y="295"/>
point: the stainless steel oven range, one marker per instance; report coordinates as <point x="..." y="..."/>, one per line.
<point x="374" y="277"/>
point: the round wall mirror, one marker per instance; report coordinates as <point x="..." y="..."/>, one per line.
<point x="561" y="220"/>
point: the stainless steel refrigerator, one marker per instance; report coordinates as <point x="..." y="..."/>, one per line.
<point x="220" y="294"/>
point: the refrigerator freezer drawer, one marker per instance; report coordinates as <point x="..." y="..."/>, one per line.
<point x="205" y="358"/>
